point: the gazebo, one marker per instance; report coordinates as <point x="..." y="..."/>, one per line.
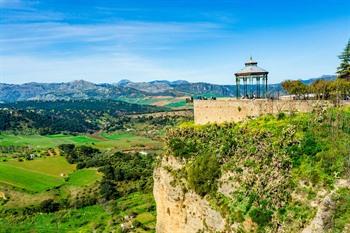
<point x="248" y="74"/>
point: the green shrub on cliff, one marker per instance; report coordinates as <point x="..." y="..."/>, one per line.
<point x="202" y="174"/>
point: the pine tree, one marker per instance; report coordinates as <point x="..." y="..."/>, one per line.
<point x="343" y="70"/>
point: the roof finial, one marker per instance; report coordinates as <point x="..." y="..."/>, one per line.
<point x="251" y="58"/>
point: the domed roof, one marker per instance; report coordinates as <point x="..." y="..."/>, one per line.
<point x="251" y="68"/>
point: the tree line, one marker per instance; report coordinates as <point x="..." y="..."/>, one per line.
<point x="324" y="89"/>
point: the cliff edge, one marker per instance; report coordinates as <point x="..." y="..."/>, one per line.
<point x="285" y="173"/>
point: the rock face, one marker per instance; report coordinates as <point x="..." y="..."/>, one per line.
<point x="179" y="211"/>
<point x="325" y="209"/>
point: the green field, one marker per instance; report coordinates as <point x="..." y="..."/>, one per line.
<point x="53" y="166"/>
<point x="44" y="173"/>
<point x="145" y="100"/>
<point x="27" y="179"/>
<point x="84" y="177"/>
<point x="121" y="141"/>
<point x="90" y="219"/>
<point x="178" y="104"/>
<point x="38" y="141"/>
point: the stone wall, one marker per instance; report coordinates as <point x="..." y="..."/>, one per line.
<point x="233" y="110"/>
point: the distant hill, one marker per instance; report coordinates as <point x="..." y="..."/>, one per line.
<point x="77" y="116"/>
<point x="323" y="77"/>
<point x="80" y="89"/>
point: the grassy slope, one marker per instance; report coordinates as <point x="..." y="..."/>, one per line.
<point x="26" y="179"/>
<point x="120" y="141"/>
<point x="53" y="166"/>
<point x="90" y="218"/>
<point x="38" y="141"/>
<point x="84" y="177"/>
<point x="44" y="173"/>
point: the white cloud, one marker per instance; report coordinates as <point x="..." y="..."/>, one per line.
<point x="19" y="69"/>
<point x="60" y="38"/>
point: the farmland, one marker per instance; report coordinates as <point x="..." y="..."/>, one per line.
<point x="27" y="183"/>
<point x="59" y="178"/>
<point x="121" y="141"/>
<point x="92" y="217"/>
<point x="44" y="174"/>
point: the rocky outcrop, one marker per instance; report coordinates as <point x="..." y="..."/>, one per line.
<point x="183" y="211"/>
<point x="180" y="211"/>
<point x="325" y="210"/>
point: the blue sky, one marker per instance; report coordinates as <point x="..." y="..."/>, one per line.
<point x="143" y="40"/>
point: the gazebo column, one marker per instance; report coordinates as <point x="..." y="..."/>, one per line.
<point x="265" y="86"/>
<point x="245" y="86"/>
<point x="238" y="80"/>
<point x="251" y="87"/>
<point x="258" y="87"/>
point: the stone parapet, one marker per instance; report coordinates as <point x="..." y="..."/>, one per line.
<point x="234" y="110"/>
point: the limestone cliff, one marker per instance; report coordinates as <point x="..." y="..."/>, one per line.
<point x="181" y="211"/>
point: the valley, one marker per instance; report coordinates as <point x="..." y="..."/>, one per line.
<point x="61" y="181"/>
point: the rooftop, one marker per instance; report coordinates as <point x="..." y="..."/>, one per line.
<point x="251" y="68"/>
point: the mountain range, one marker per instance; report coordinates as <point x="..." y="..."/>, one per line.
<point x="81" y="89"/>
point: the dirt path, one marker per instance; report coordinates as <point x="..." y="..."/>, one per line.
<point x="97" y="136"/>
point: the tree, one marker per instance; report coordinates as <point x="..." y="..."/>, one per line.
<point x="321" y="88"/>
<point x="341" y="88"/>
<point x="108" y="189"/>
<point x="343" y="70"/>
<point x="295" y="87"/>
<point x="49" y="206"/>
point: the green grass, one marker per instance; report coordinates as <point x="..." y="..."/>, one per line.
<point x="41" y="174"/>
<point x="38" y="141"/>
<point x="119" y="141"/>
<point x="27" y="179"/>
<point x="178" y="104"/>
<point x="89" y="219"/>
<point x="145" y="101"/>
<point x="117" y="136"/>
<point x="84" y="177"/>
<point x="124" y="141"/>
<point x="341" y="217"/>
<point x="35" y="175"/>
<point x="84" y="219"/>
<point x="53" y="166"/>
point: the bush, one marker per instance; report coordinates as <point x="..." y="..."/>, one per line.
<point x="108" y="189"/>
<point x="281" y="115"/>
<point x="203" y="173"/>
<point x="310" y="145"/>
<point x="261" y="216"/>
<point x="49" y="205"/>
